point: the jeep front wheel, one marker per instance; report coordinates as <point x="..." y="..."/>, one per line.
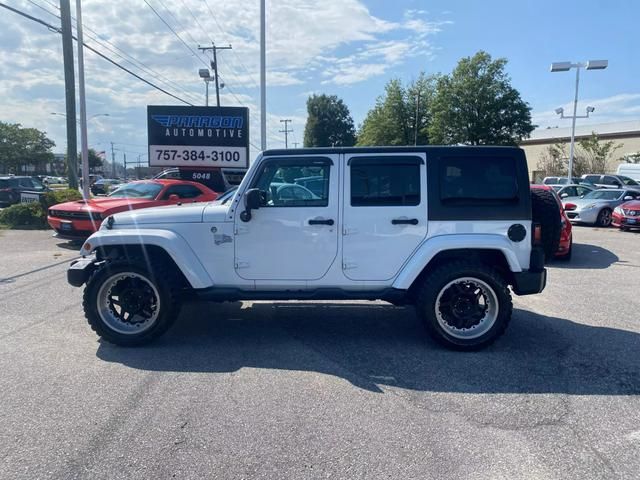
<point x="464" y="305"/>
<point x="127" y="304"/>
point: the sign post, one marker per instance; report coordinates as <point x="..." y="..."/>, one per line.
<point x="198" y="137"/>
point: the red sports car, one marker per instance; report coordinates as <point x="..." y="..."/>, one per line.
<point x="627" y="215"/>
<point x="78" y="220"/>
<point x="566" y="237"/>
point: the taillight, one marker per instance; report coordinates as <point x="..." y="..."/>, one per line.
<point x="537" y="234"/>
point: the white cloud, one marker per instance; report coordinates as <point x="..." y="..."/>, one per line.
<point x="337" y="42"/>
<point x="624" y="106"/>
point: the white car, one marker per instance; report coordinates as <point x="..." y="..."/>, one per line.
<point x="429" y="226"/>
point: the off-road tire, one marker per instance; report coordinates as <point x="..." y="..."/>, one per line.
<point x="439" y="278"/>
<point x="601" y="221"/>
<point x="164" y="280"/>
<point x="546" y="212"/>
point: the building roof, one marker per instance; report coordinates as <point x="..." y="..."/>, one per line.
<point x="605" y="130"/>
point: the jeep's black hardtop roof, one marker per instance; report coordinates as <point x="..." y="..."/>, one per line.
<point x="404" y="149"/>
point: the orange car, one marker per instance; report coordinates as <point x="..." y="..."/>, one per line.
<point x="77" y="220"/>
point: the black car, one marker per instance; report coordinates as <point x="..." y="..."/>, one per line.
<point x="104" y="186"/>
<point x="13" y="188"/>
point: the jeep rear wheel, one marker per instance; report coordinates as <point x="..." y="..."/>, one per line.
<point x="127" y="304"/>
<point x="464" y="305"/>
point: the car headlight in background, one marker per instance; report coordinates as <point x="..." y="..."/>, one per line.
<point x="95" y="216"/>
<point x="618" y="210"/>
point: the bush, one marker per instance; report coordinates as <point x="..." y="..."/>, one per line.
<point x="24" y="215"/>
<point x="59" y="196"/>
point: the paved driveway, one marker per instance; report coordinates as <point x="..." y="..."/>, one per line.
<point x="323" y="390"/>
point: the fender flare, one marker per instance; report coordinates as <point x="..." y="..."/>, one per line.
<point x="172" y="243"/>
<point x="435" y="245"/>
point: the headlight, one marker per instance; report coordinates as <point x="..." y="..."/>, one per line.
<point x="95" y="216"/>
<point x="618" y="210"/>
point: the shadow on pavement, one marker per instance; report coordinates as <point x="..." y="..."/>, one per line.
<point x="588" y="257"/>
<point x="377" y="344"/>
<point x="70" y="244"/>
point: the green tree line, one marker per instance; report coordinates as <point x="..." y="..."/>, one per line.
<point x="473" y="105"/>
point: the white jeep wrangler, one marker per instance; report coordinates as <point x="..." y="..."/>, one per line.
<point x="447" y="229"/>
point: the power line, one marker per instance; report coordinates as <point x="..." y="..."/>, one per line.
<point x="57" y="30"/>
<point x="123" y="54"/>
<point x="175" y="33"/>
<point x="286" y="131"/>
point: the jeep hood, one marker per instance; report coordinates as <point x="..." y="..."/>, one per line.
<point x="185" y="213"/>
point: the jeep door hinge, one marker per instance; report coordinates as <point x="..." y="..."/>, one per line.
<point x="349" y="231"/>
<point x="239" y="230"/>
<point x="349" y="265"/>
<point x="239" y="265"/>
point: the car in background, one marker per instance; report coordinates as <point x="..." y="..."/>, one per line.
<point x="16" y="189"/>
<point x="559" y="180"/>
<point x="79" y="219"/>
<point x="631" y="170"/>
<point x="569" y="192"/>
<point x="49" y="180"/>
<point x="596" y="208"/>
<point x="610" y="181"/>
<point x="104" y="186"/>
<point x="627" y="215"/>
<point x="565" y="246"/>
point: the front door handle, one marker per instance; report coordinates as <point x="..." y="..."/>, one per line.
<point x="319" y="221"/>
<point x="404" y="221"/>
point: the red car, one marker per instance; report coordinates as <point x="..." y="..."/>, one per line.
<point x="627" y="215"/>
<point x="78" y="220"/>
<point x="566" y="237"/>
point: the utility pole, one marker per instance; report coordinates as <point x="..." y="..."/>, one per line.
<point x="125" y="165"/>
<point x="415" y="132"/>
<point x="83" y="105"/>
<point x="113" y="162"/>
<point x="70" y="93"/>
<point x="263" y="75"/>
<point x="286" y="132"/>
<point x="214" y="66"/>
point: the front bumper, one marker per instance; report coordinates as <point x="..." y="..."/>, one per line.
<point x="583" y="216"/>
<point x="80" y="270"/>
<point x="529" y="282"/>
<point x="625" y="221"/>
<point x="73" y="229"/>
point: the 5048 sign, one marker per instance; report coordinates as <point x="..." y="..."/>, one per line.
<point x="200" y="156"/>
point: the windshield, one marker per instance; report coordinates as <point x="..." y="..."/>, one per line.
<point x="604" y="195"/>
<point x="628" y="181"/>
<point x="138" y="190"/>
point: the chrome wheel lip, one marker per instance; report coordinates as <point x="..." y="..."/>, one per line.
<point x="104" y="305"/>
<point x="485" y="324"/>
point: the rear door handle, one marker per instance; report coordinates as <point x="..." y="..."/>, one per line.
<point x="404" y="221"/>
<point x="319" y="221"/>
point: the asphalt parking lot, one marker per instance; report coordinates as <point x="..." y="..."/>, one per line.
<point x="323" y="390"/>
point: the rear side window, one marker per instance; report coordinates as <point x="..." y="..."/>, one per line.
<point x="385" y="181"/>
<point x="472" y="180"/>
<point x="592" y="178"/>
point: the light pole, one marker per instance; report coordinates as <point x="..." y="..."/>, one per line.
<point x="565" y="67"/>
<point x="206" y="76"/>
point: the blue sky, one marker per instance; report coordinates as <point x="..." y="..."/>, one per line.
<point x="346" y="47"/>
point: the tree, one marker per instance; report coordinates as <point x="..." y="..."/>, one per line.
<point x="596" y="154"/>
<point x="329" y="123"/>
<point x="477" y="105"/>
<point x="392" y="121"/>
<point x="553" y="161"/>
<point x="21" y="146"/>
<point x="94" y="160"/>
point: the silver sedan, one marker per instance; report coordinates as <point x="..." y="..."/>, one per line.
<point x="596" y="207"/>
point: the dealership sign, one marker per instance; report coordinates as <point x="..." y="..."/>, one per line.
<point x="198" y="137"/>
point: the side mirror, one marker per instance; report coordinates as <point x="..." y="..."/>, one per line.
<point x="627" y="198"/>
<point x="174" y="198"/>
<point x="252" y="201"/>
<point x="564" y="195"/>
